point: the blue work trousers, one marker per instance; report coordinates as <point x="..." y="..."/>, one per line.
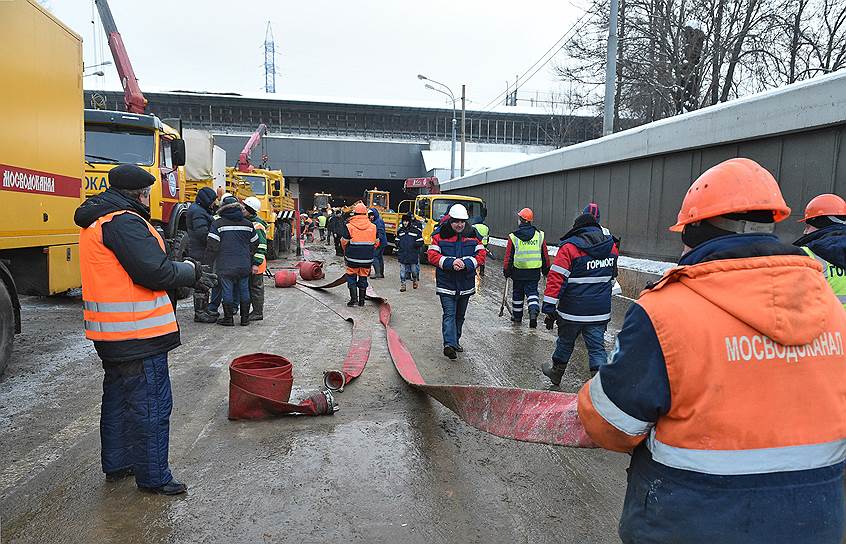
<point x="454" y="308"/>
<point x="135" y="419"/>
<point x="235" y="289"/>
<point x="524" y="289"/>
<point x="409" y="272"/>
<point x="594" y="336"/>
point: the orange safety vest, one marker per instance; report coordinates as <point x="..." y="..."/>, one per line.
<point x="115" y="307"/>
<point x="756" y="365"/>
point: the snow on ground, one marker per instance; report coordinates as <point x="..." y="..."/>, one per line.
<point x="641" y="265"/>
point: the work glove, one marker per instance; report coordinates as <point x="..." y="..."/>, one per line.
<point x="204" y="279"/>
<point x="549" y="321"/>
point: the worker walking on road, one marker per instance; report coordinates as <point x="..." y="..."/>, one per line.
<point x="321" y="225"/>
<point x="409" y="244"/>
<point x="526" y="258"/>
<point x="252" y="206"/>
<point x="728" y="382"/>
<point x="824" y="239"/>
<point x="378" y="256"/>
<point x="457" y="252"/>
<point x="578" y="294"/>
<point x="128" y="314"/>
<point x="359" y="241"/>
<point x="232" y="243"/>
<point x="335" y="226"/>
<point x="200" y="217"/>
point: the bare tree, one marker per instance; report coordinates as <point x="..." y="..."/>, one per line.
<point x="680" y="55"/>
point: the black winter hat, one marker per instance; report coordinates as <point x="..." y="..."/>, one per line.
<point x="129" y="176"/>
<point x="585" y="220"/>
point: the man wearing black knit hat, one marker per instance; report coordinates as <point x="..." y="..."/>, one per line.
<point x="128" y="314"/>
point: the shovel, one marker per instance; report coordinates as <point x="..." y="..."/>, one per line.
<point x="504" y="295"/>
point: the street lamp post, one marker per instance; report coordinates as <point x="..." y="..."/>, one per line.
<point x="451" y="96"/>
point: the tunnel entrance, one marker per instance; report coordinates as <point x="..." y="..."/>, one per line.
<point x="346" y="191"/>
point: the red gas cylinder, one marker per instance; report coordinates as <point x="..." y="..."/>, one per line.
<point x="285" y="278"/>
<point x="311" y="270"/>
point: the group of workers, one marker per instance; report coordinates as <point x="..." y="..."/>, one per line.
<point x="727" y="383"/>
<point x="231" y="240"/>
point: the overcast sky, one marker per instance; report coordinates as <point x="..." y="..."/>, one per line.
<point x="365" y="49"/>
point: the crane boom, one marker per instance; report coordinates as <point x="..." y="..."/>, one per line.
<point x="132" y="95"/>
<point x="244" y="158"/>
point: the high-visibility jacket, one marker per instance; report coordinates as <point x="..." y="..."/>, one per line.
<point x="754" y="355"/>
<point x="484" y="232"/>
<point x="834" y="275"/>
<point x="115" y="307"/>
<point x="321" y="221"/>
<point x="359" y="240"/>
<point x="260" y="256"/>
<point x="528" y="253"/>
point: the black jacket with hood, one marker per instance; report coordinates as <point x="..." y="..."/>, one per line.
<point x="200" y="218"/>
<point x="139" y="253"/>
<point x="232" y="242"/>
<point x="828" y="243"/>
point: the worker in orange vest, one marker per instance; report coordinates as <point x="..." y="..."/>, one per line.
<point x="128" y="314"/>
<point x="358" y="238"/>
<point x="728" y="381"/>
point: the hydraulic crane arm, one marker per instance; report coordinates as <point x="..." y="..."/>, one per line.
<point x="132" y="95"/>
<point x="244" y="158"/>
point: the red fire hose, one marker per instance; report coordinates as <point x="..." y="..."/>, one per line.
<point x="260" y="387"/>
<point x="528" y="415"/>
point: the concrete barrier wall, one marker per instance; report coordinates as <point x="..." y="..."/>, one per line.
<point x="639" y="177"/>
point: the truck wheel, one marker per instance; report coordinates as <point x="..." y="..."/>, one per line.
<point x="273" y="247"/>
<point x="7" y="327"/>
<point x="178" y="251"/>
<point x="285" y="238"/>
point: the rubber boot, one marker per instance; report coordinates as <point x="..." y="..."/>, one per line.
<point x="353" y="296"/>
<point x="201" y="313"/>
<point x="481" y="270"/>
<point x="554" y="371"/>
<point x="228" y="312"/>
<point x="362" y="295"/>
<point x="257" y="297"/>
<point x="402" y="287"/>
<point x="245" y="314"/>
<point x="533" y="319"/>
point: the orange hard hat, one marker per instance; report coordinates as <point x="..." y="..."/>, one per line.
<point x="526" y="214"/>
<point x="827" y="204"/>
<point x="733" y="186"/>
<point x="360" y="209"/>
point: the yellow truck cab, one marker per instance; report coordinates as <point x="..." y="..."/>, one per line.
<point x="277" y="206"/>
<point x="429" y="209"/>
<point x="114" y="137"/>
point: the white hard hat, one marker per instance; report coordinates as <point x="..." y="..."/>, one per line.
<point x="224" y="195"/>
<point x="458" y="211"/>
<point x="253" y="203"/>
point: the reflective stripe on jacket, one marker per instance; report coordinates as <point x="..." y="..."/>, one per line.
<point x="754" y="357"/>
<point x="260" y="256"/>
<point x="528" y="253"/>
<point x="358" y="238"/>
<point x="834" y="275"/>
<point x="115" y="307"/>
<point x="447" y="247"/>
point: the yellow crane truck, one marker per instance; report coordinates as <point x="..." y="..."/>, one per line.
<point x="277" y="205"/>
<point x="41" y="165"/>
<point x="134" y="137"/>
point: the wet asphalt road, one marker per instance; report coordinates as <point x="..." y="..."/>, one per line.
<point x="392" y="465"/>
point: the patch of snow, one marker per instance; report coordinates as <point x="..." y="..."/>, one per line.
<point x="641" y="265"/>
